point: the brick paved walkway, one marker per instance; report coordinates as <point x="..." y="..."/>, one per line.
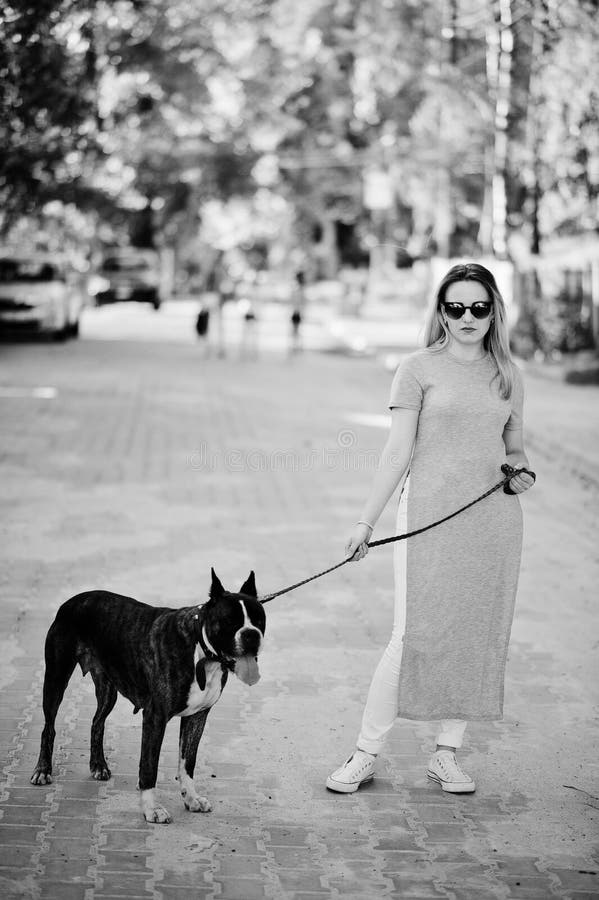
<point x="149" y="466"/>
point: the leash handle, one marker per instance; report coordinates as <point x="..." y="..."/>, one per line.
<point x="508" y="471"/>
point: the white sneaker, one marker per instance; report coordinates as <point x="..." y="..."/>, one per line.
<point x="355" y="771"/>
<point x="444" y="769"/>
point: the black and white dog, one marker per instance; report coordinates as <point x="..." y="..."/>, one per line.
<point x="167" y="662"/>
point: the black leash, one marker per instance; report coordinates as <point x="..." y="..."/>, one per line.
<point x="509" y="473"/>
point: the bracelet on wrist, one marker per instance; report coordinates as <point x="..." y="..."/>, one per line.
<point x="363" y="522"/>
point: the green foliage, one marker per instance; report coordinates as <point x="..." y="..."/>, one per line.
<point x="555" y="311"/>
<point x="46" y="100"/>
<point x="143" y="111"/>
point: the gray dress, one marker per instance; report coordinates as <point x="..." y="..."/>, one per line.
<point x="461" y="577"/>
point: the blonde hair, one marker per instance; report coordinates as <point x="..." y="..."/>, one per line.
<point x="496" y="341"/>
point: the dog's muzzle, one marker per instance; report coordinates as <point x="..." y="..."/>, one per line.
<point x="248" y="641"/>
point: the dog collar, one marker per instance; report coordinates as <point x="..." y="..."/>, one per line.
<point x="211" y="654"/>
<point x="207" y="648"/>
<point x="206" y="645"/>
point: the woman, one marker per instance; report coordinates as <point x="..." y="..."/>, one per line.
<point x="456" y="409"/>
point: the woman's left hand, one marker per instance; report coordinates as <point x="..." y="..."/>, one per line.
<point x="521" y="482"/>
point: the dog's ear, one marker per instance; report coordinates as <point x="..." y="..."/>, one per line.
<point x="249" y="587"/>
<point x="216" y="588"/>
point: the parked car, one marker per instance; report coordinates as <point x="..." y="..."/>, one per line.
<point x="39" y="294"/>
<point x="128" y="274"/>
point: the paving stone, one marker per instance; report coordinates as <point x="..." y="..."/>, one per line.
<point x="77" y="807"/>
<point x="572" y="880"/>
<point x="446" y="834"/>
<point x="299" y="881"/>
<point x="310" y="895"/>
<point x="385" y="821"/>
<point x="124" y="839"/>
<point x="236" y="865"/>
<point x="517" y="866"/>
<point x="18" y="882"/>
<point x="125" y="893"/>
<point x="351" y="888"/>
<point x="286" y="836"/>
<point x="123" y="860"/>
<point x="406" y="863"/>
<point x="404" y="842"/>
<point x="361" y="853"/>
<point x="68" y="869"/>
<point x="582" y="895"/>
<point x="249" y="846"/>
<point x="453" y="854"/>
<point x="239" y="889"/>
<point x="437" y="813"/>
<point x="168" y="892"/>
<point x="123" y="883"/>
<point x="530" y="893"/>
<point x="27" y="796"/>
<point x="10" y="723"/>
<point x="23" y="815"/>
<point x="408" y="886"/>
<point x="62" y="891"/>
<point x="67" y="827"/>
<point x="186" y="878"/>
<point x="68" y="846"/>
<point x="82" y="790"/>
<point x="381" y="803"/>
<point x="15" y="835"/>
<point x="293" y="857"/>
<point x="466" y="892"/>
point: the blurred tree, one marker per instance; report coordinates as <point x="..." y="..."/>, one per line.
<point x="482" y="115"/>
<point x="47" y="100"/>
<point x="355" y="84"/>
<point x="561" y="166"/>
<point x="171" y="134"/>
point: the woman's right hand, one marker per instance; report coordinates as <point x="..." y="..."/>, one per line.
<point x="356" y="547"/>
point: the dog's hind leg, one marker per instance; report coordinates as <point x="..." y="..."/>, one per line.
<point x="192" y="728"/>
<point x="60" y="662"/>
<point x="106" y="695"/>
<point x="152" y="734"/>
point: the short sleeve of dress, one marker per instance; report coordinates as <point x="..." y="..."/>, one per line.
<point x="406" y="388"/>
<point x="514" y="423"/>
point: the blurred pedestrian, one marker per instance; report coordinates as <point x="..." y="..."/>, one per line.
<point x="298" y="300"/>
<point x="203" y="326"/>
<point x="248" y="348"/>
<point x="225" y="288"/>
<point x="456" y="409"/>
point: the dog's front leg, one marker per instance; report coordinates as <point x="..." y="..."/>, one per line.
<point x="152" y="734"/>
<point x="192" y="728"/>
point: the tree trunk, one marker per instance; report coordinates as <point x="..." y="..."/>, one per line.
<point x="503" y="21"/>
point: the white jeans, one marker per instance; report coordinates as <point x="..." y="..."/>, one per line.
<point x="381" y="705"/>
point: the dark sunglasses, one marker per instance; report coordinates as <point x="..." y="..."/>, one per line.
<point x="480" y="310"/>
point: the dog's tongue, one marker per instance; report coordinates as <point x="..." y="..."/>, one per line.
<point x="246" y="668"/>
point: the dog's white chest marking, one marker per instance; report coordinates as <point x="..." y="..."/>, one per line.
<point x="198" y="699"/>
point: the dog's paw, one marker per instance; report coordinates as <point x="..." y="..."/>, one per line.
<point x="41" y="776"/>
<point x="100" y="773"/>
<point x="197" y="804"/>
<point x="152" y="811"/>
<point x="158" y="816"/>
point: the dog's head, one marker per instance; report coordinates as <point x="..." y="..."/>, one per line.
<point x="234" y="626"/>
